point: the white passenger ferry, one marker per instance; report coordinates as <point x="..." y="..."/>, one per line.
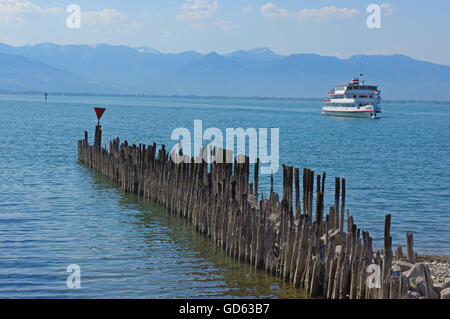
<point x="353" y="100"/>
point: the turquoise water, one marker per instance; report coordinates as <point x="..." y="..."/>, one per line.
<point x="55" y="212"/>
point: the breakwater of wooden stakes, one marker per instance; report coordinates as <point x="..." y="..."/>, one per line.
<point x="285" y="237"/>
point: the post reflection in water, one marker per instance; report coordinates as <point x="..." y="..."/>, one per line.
<point x="180" y="262"/>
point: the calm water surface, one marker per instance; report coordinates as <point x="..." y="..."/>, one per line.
<point x="55" y="212"/>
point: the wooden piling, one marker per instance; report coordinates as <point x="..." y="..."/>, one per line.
<point x="336" y="202"/>
<point x="217" y="198"/>
<point x="409" y="248"/>
<point x="341" y="224"/>
<point x="297" y="193"/>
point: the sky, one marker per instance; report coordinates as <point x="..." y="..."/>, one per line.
<point x="419" y="29"/>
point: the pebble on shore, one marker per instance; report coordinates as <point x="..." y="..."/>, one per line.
<point x="439" y="271"/>
<point x="419" y="286"/>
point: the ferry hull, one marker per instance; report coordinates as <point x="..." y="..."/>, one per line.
<point x="353" y="100"/>
<point x="355" y="114"/>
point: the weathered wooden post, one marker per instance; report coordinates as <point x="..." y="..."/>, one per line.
<point x="98" y="136"/>
<point x="304" y="191"/>
<point x="398" y="253"/>
<point x="309" y="191"/>
<point x="271" y="183"/>
<point x="319" y="205"/>
<point x="290" y="175"/>
<point x="256" y="179"/>
<point x="98" y="128"/>
<point x="285" y="183"/>
<point x="387" y="262"/>
<point x="324" y="175"/>
<point x="297" y="193"/>
<point x="317" y="188"/>
<point x="409" y="248"/>
<point x="341" y="224"/>
<point x="337" y="186"/>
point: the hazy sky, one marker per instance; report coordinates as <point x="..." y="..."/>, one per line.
<point x="416" y="28"/>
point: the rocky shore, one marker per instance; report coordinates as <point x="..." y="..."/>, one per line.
<point x="423" y="276"/>
<point x="429" y="277"/>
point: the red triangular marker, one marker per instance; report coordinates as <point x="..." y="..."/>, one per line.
<point x="99" y="111"/>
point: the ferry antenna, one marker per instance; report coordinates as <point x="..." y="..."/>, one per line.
<point x="361" y="73"/>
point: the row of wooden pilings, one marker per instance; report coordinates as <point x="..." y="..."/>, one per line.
<point x="281" y="237"/>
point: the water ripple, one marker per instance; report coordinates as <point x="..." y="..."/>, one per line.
<point x="55" y="212"/>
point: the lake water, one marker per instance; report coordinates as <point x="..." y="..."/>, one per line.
<point x="55" y="212"/>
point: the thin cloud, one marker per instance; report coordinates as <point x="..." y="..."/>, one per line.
<point x="108" y="20"/>
<point x="200" y="14"/>
<point x="195" y="10"/>
<point x="224" y="25"/>
<point x="326" y="14"/>
<point x="269" y="10"/>
<point x="17" y="11"/>
<point x="166" y="34"/>
<point x="387" y="9"/>
<point x="247" y="9"/>
<point x="104" y="17"/>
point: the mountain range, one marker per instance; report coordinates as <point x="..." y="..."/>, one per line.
<point x="103" y="68"/>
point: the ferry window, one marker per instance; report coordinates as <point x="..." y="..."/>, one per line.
<point x="354" y="96"/>
<point x="371" y="96"/>
<point x="360" y="104"/>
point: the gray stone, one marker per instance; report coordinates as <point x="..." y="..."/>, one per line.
<point x="445" y="293"/>
<point x="411" y="294"/>
<point x="422" y="289"/>
<point x="418" y="270"/>
<point x="416" y="282"/>
<point x="446" y="283"/>
<point x="412" y="283"/>
<point x="419" y="280"/>
<point x="438" y="286"/>
<point x="404" y="265"/>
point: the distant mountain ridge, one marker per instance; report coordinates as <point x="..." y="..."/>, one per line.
<point x="257" y="54"/>
<point x="18" y="73"/>
<point x="259" y="72"/>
